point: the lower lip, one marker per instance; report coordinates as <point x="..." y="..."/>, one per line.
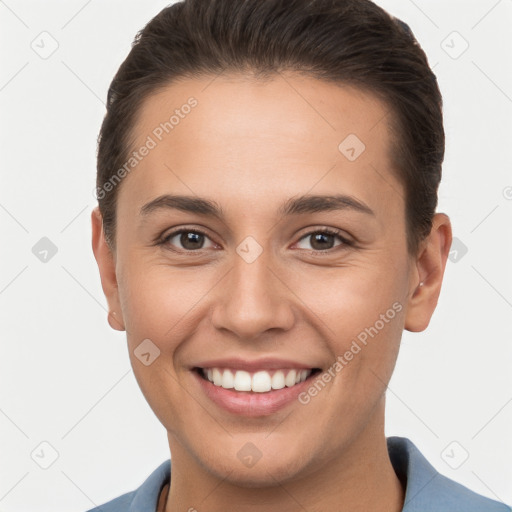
<point x="250" y="403"/>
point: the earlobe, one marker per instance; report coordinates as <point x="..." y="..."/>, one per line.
<point x="107" y="268"/>
<point x="116" y="324"/>
<point x="428" y="276"/>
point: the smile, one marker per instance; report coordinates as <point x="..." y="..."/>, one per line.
<point x="260" y="381"/>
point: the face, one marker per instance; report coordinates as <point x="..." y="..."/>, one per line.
<point x="260" y="277"/>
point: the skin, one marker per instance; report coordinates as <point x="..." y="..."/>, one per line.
<point x="250" y="146"/>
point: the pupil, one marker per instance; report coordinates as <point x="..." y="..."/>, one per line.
<point x="187" y="238"/>
<point x="318" y="238"/>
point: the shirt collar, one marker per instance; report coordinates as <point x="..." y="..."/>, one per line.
<point x="427" y="490"/>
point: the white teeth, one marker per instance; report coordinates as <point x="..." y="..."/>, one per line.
<point x="278" y="380"/>
<point x="290" y="378"/>
<point x="259" y="382"/>
<point x="228" y="380"/>
<point x="242" y="381"/>
<point x="217" y="377"/>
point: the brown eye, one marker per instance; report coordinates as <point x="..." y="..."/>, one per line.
<point x="323" y="240"/>
<point x="187" y="240"/>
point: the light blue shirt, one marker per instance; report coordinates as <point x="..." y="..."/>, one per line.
<point x="426" y="489"/>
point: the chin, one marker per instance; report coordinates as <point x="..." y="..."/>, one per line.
<point x="270" y="470"/>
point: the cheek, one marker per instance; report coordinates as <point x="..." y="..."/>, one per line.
<point x="349" y="298"/>
<point x="158" y="305"/>
<point x="157" y="299"/>
<point x="360" y="311"/>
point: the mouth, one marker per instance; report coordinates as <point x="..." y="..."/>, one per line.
<point x="259" y="381"/>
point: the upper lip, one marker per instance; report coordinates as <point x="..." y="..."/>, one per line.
<point x="266" y="363"/>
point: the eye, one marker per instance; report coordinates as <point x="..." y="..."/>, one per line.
<point x="190" y="239"/>
<point x="323" y="239"/>
<point x="193" y="240"/>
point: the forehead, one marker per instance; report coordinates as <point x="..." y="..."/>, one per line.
<point x="287" y="106"/>
<point x="246" y="140"/>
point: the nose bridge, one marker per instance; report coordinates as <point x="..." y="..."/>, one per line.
<point x="252" y="299"/>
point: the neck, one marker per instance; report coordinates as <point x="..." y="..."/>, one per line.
<point x="358" y="478"/>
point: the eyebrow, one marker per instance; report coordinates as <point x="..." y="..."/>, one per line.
<point x="293" y="206"/>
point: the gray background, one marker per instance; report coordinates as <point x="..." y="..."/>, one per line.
<point x="66" y="379"/>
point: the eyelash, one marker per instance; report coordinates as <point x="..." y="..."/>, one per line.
<point x="327" y="231"/>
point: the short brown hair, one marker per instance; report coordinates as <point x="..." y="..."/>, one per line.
<point x="351" y="42"/>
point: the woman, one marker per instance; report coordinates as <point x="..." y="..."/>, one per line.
<point x="267" y="185"/>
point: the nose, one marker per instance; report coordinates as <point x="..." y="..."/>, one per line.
<point x="253" y="299"/>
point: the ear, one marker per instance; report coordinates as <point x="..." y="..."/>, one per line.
<point x="107" y="267"/>
<point x="428" y="274"/>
